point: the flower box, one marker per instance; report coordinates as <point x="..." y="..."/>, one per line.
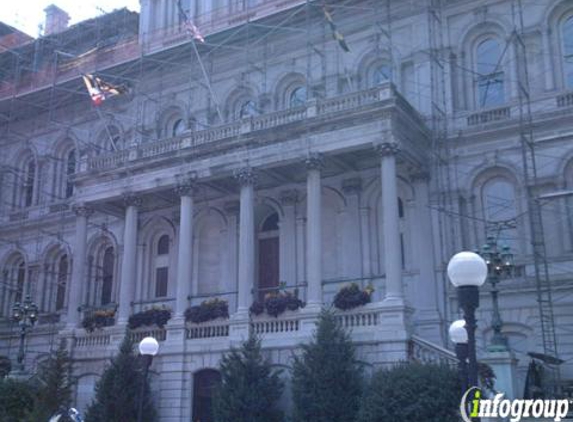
<point x="153" y="316"/>
<point x="208" y="310"/>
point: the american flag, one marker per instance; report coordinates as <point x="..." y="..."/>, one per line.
<point x="189" y="25"/>
<point x="99" y="90"/>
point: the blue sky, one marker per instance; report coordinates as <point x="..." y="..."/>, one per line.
<point x="26" y="15"/>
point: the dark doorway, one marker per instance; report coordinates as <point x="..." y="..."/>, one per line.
<point x="269" y="255"/>
<point x="204" y="384"/>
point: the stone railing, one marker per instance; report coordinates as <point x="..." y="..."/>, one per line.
<point x="267" y="121"/>
<point x="565" y="100"/>
<point x="159" y="334"/>
<point x="420" y="350"/>
<point x="359" y="317"/>
<point x="210" y="329"/>
<point x="489" y="116"/>
<point x="269" y="325"/>
<point x="93" y="340"/>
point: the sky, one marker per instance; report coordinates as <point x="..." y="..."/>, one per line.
<point x="26" y="15"/>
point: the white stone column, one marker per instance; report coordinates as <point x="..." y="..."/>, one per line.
<point x="79" y="264"/>
<point x="351" y="257"/>
<point x="232" y="209"/>
<point x="289" y="199"/>
<point x="314" y="164"/>
<point x="247" y="178"/>
<point x="185" y="190"/>
<point x="127" y="286"/>
<point x="391" y="222"/>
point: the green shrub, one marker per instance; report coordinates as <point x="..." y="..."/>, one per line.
<point x="16" y="400"/>
<point x="349" y="297"/>
<point x="326" y="378"/>
<point x="412" y="392"/>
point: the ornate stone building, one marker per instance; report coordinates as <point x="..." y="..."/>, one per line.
<point x="270" y="158"/>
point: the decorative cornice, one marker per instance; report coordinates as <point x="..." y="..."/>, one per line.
<point x="130" y="199"/>
<point x="82" y="210"/>
<point x="386" y="149"/>
<point x="246" y="176"/>
<point x="289" y="197"/>
<point x="315" y="161"/>
<point x="352" y="186"/>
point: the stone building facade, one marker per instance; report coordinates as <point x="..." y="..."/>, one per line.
<point x="268" y="156"/>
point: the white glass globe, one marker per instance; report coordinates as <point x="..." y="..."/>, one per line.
<point x="148" y="346"/>
<point x="467" y="269"/>
<point x="458" y="333"/>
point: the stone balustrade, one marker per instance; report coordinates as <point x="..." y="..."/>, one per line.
<point x="330" y="107"/>
<point x="211" y="329"/>
<point x="421" y="350"/>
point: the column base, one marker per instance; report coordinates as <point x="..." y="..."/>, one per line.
<point x="504" y="365"/>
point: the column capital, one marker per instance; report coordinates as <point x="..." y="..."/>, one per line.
<point x="185" y="184"/>
<point x="352" y="185"/>
<point x="314" y="161"/>
<point x="130" y="199"/>
<point x="289" y="197"/>
<point x="82" y="210"/>
<point x="246" y="176"/>
<point x="385" y="149"/>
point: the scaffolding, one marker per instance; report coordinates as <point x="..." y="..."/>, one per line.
<point x="113" y="47"/>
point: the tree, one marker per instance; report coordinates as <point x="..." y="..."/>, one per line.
<point x="422" y="392"/>
<point x="55" y="386"/>
<point x="16" y="400"/>
<point x="118" y="389"/>
<point x="327" y="379"/>
<point x="249" y="389"/>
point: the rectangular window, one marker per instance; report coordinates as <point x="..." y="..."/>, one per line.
<point x="161" y="275"/>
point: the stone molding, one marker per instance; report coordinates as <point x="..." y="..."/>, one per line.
<point x="82" y="210"/>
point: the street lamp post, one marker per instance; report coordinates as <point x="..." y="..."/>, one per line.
<point x="499" y="267"/>
<point x="467" y="271"/>
<point x="26" y="315"/>
<point x="459" y="337"/>
<point x="148" y="347"/>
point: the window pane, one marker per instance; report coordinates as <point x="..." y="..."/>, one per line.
<point x="107" y="281"/>
<point x="248" y="109"/>
<point x="20" y="282"/>
<point x="29" y="183"/>
<point x="163" y="245"/>
<point x="178" y="127"/>
<point x="271" y="223"/>
<point x="161" y="275"/>
<point x="70" y="171"/>
<point x="490" y="74"/>
<point x="500" y="210"/>
<point x="381" y="74"/>
<point x="297" y="97"/>
<point x="62" y="281"/>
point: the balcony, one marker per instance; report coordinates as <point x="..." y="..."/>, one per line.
<point x="230" y="134"/>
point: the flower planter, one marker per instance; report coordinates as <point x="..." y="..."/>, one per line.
<point x="149" y="317"/>
<point x="208" y="310"/>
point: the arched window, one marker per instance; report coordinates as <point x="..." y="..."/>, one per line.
<point x="248" y="109"/>
<point x="269" y="254"/>
<point x="204" y="384"/>
<point x="70" y="171"/>
<point x="13" y="283"/>
<point x="490" y="76"/>
<point x="62" y="282"/>
<point x="161" y="264"/>
<point x="29" y="181"/>
<point x="297" y="97"/>
<point x="108" y="267"/>
<point x="500" y="210"/>
<point x="567" y="36"/>
<point x="178" y="127"/>
<point x="380" y="74"/>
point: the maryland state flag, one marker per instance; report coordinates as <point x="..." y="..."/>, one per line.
<point x="100" y="90"/>
<point x="189" y="25"/>
<point x="336" y="34"/>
